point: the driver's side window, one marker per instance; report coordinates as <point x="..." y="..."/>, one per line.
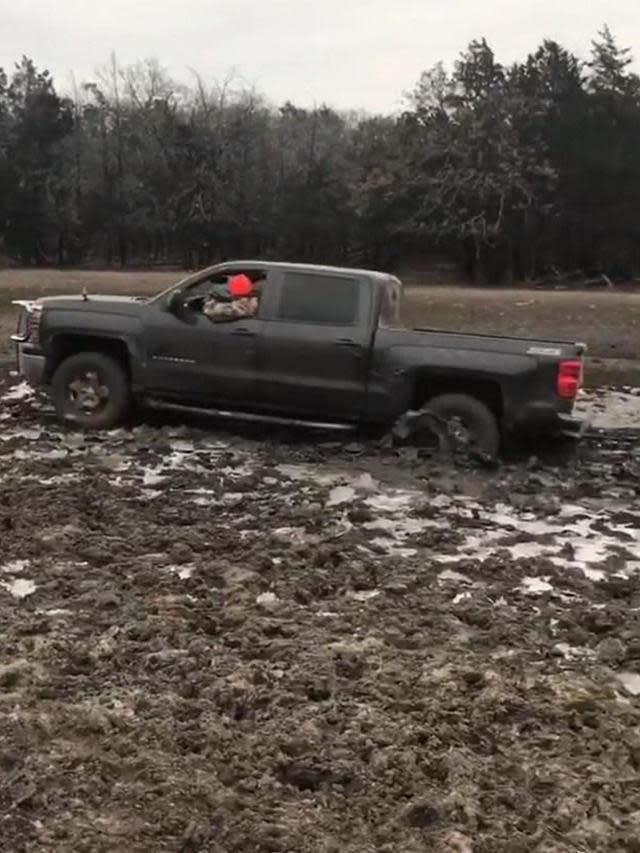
<point x="219" y="289"/>
<point x="234" y="296"/>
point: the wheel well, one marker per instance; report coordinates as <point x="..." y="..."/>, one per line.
<point x="429" y="386"/>
<point x="65" y="345"/>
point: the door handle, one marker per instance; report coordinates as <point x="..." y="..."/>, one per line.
<point x="242" y="331"/>
<point x="347" y="342"/>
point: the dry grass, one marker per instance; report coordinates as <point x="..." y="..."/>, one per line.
<point x="607" y="322"/>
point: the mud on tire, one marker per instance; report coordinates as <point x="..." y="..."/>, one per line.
<point x="473" y="418"/>
<point x="91" y="390"/>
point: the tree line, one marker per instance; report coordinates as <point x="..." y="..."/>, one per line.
<point x="513" y="173"/>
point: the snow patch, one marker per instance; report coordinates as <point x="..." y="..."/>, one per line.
<point x="183" y="572"/>
<point x="536" y="586"/>
<point x="19" y="587"/>
<point x="630" y="681"/>
<point x="15" y="567"/>
<point x="341" y="495"/>
<point x="610" y="409"/>
<point x="22" y="391"/>
<point x="454" y="577"/>
<point x="267" y="598"/>
<point x="23" y="434"/>
<point x="152" y="477"/>
<point x="364" y="594"/>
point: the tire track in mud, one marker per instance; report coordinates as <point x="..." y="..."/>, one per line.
<point x="213" y="642"/>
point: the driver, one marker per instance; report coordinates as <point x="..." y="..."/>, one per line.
<point x="237" y="300"/>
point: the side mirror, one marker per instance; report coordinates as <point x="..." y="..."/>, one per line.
<point x="175" y="304"/>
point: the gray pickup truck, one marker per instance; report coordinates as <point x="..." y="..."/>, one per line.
<point x="326" y="347"/>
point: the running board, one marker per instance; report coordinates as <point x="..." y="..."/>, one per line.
<point x="246" y="416"/>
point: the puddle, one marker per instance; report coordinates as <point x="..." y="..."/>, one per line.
<point x="294" y="536"/>
<point x="56" y="611"/>
<point x="536" y="586"/>
<point x="308" y="473"/>
<point x="152" y="477"/>
<point x="341" y="495"/>
<point x="572" y="652"/>
<point x="390" y="546"/>
<point x="182" y="446"/>
<point x="22" y="391"/>
<point x="391" y="501"/>
<point x="609" y="408"/>
<point x="22" y="434"/>
<point x="630" y="681"/>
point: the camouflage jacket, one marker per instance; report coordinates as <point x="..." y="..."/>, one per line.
<point x="220" y="311"/>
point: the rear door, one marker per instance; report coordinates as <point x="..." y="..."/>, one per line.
<point x="314" y="348"/>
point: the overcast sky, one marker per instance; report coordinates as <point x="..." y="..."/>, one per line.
<point x="348" y="53"/>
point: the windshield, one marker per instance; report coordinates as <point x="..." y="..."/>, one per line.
<point x="179" y="284"/>
<point x="200" y="283"/>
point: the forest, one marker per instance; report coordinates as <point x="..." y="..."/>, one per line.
<point x="509" y="173"/>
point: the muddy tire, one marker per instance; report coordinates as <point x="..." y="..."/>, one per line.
<point x="473" y="418"/>
<point x="91" y="390"/>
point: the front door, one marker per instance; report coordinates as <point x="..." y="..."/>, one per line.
<point x="314" y="349"/>
<point x="192" y="359"/>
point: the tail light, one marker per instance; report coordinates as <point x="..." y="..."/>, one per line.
<point x="569" y="378"/>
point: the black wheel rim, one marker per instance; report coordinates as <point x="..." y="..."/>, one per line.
<point x="461" y="433"/>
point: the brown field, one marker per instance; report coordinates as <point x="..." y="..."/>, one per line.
<point x="222" y="641"/>
<point x="609" y="322"/>
<point x="218" y="643"/>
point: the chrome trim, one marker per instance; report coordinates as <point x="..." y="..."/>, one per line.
<point x="173" y="359"/>
<point x="19" y="339"/>
<point x="153" y="403"/>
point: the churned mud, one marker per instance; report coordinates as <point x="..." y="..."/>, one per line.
<point x="222" y="641"/>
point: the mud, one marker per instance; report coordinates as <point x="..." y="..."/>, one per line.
<point x="219" y="641"/>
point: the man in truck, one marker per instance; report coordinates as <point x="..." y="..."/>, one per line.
<point x="236" y="300"/>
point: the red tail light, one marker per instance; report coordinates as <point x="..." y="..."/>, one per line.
<point x="569" y="378"/>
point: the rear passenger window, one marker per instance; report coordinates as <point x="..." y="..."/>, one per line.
<point x="316" y="298"/>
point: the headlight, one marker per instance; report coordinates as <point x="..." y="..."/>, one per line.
<point x="33" y="324"/>
<point x="29" y="322"/>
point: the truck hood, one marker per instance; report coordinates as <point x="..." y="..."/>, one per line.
<point x="104" y="304"/>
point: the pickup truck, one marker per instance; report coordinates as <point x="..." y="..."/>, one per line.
<point x="326" y="348"/>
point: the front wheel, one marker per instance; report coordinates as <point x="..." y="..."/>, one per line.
<point x="470" y="423"/>
<point x="91" y="390"/>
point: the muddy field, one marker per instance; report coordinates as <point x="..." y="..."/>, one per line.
<point x="232" y="643"/>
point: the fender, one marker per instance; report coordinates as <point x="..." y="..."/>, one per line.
<point x="124" y="327"/>
<point x="403" y="367"/>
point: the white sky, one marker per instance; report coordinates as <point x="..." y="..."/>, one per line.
<point x="347" y="53"/>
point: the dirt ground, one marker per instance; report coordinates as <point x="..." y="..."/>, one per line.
<point x="230" y="642"/>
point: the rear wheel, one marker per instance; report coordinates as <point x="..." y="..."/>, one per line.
<point x="470" y="424"/>
<point x="91" y="390"/>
